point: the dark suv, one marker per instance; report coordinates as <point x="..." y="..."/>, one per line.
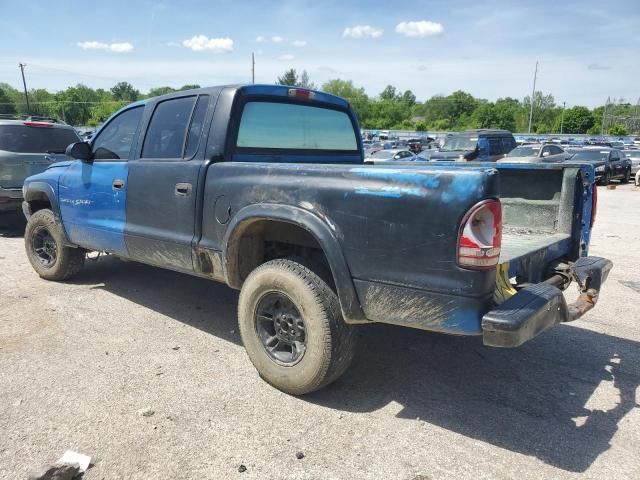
<point x="27" y="146"/>
<point x="483" y="144"/>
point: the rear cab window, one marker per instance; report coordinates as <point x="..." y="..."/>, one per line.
<point x="42" y="139"/>
<point x="282" y="130"/>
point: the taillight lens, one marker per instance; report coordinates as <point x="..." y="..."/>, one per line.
<point x="480" y="236"/>
<point x="38" y="124"/>
<point x="594" y="204"/>
<point x="301" y="94"/>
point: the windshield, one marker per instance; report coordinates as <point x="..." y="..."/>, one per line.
<point x="383" y="154"/>
<point x="591" y="155"/>
<point x="23" y="139"/>
<point x="455" y="143"/>
<point x="525" y="151"/>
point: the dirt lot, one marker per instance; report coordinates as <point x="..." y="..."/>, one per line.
<point x="79" y="360"/>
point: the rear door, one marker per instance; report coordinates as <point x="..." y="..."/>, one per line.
<point x="93" y="195"/>
<point x="163" y="183"/>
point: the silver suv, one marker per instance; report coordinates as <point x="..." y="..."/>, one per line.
<point x="28" y="145"/>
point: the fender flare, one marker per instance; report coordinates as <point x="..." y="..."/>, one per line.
<point x="319" y="229"/>
<point x="36" y="190"/>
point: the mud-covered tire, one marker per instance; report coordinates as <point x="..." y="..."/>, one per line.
<point x="330" y="342"/>
<point x="68" y="261"/>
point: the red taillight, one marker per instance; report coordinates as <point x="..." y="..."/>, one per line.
<point x="594" y="205"/>
<point x="38" y="124"/>
<point x="301" y="94"/>
<point x="480" y="236"/>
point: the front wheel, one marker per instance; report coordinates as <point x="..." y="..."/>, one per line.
<point x="292" y="328"/>
<point x="46" y="249"/>
<point x="627" y="176"/>
<point x="606" y="179"/>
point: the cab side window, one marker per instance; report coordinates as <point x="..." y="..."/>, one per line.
<point x="168" y="127"/>
<point x="115" y="140"/>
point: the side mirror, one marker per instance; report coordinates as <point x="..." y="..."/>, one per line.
<point x="80" y="151"/>
<point x="546" y="154"/>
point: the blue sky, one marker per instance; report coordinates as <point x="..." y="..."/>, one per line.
<point x="587" y="50"/>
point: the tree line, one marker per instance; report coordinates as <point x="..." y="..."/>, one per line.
<point x="390" y="109"/>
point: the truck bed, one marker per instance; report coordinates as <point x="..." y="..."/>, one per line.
<point x="518" y="245"/>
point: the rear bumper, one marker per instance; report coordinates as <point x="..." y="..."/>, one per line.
<point x="10" y="199"/>
<point x="538" y="307"/>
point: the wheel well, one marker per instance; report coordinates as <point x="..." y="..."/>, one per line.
<point x="254" y="243"/>
<point x="38" y="201"/>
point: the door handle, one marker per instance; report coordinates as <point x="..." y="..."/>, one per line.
<point x="118" y="184"/>
<point x="183" y="189"/>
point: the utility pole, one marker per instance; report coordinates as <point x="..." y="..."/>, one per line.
<point x="253" y="68"/>
<point x="604" y="116"/>
<point x="562" y="118"/>
<point x="533" y="93"/>
<point x="24" y="83"/>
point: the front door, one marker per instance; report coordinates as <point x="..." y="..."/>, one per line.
<point x="93" y="195"/>
<point x="163" y="182"/>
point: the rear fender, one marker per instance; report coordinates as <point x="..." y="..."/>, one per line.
<point x="323" y="231"/>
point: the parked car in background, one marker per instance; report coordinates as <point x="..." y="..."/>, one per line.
<point x="483" y="145"/>
<point x="634" y="158"/>
<point x="610" y="163"/>
<point x="536" y="153"/>
<point x="28" y="145"/>
<point x="393" y="155"/>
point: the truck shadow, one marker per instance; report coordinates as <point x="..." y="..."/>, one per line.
<point x="537" y="400"/>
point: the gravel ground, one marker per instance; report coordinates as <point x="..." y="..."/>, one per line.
<point x="80" y="360"/>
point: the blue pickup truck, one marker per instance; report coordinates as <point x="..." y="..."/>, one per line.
<point x="265" y="188"/>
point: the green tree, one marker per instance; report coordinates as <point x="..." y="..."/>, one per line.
<point x="7" y="105"/>
<point x="618" y="130"/>
<point x="192" y="86"/>
<point x="389" y="93"/>
<point x="290" y="78"/>
<point x="576" y="120"/>
<point x="305" y="82"/>
<point x="356" y="96"/>
<point x="125" y="91"/>
<point x="408" y="98"/>
<point x="156" y="92"/>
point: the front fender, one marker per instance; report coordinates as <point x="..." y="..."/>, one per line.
<point x="324" y="234"/>
<point x="41" y="191"/>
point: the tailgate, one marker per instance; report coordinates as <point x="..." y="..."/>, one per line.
<point x="543" y="209"/>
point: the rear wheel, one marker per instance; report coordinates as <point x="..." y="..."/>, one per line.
<point x="292" y="328"/>
<point x="45" y="246"/>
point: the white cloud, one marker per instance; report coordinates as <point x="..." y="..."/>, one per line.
<point x="259" y="39"/>
<point x="114" y="47"/>
<point x="277" y="39"/>
<point x="423" y="28"/>
<point x="201" y="43"/>
<point x="286" y="57"/>
<point x="121" y="47"/>
<point x="299" y="43"/>
<point x="362" y="31"/>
